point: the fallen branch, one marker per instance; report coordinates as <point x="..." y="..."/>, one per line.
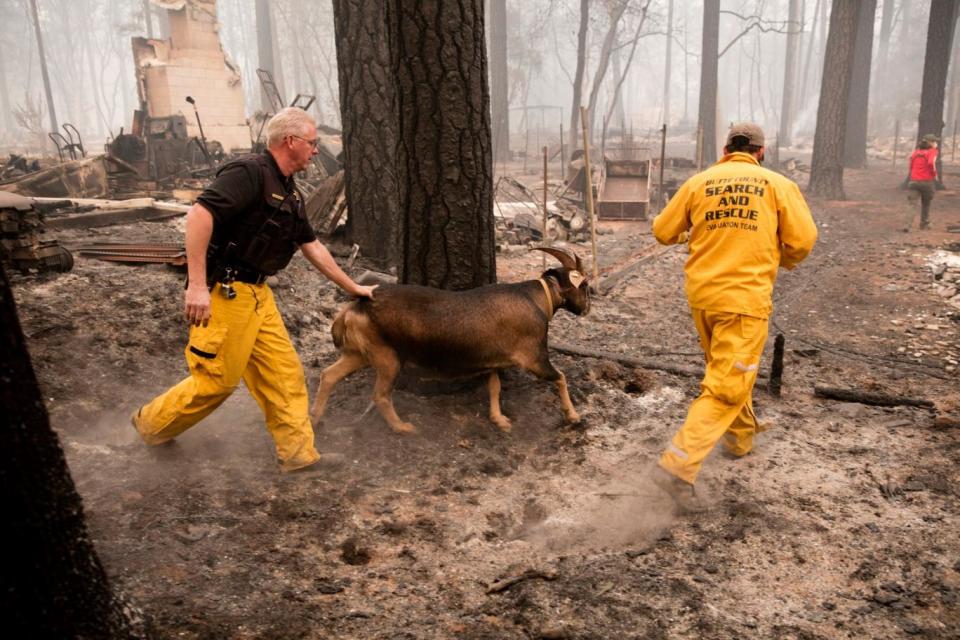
<point x="530" y="574"/>
<point x="866" y="397"/>
<point x="609" y="282"/>
<point x="645" y="363"/>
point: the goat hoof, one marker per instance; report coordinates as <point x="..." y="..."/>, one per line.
<point x="573" y="417"/>
<point x="404" y="427"/>
<point x="503" y="423"/>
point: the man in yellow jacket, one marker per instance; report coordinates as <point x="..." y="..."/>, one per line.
<point x="743" y="222"/>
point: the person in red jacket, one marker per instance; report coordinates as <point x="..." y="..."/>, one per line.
<point x="923" y="179"/>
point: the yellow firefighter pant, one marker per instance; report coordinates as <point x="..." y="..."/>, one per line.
<point x="244" y="339"/>
<point x="732" y="344"/>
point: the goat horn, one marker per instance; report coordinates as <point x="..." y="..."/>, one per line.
<point x="579" y="264"/>
<point x="562" y="256"/>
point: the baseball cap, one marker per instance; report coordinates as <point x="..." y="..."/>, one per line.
<point x="748" y="130"/>
<point x="931" y="138"/>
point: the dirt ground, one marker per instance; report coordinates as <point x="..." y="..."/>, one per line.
<point x="841" y="524"/>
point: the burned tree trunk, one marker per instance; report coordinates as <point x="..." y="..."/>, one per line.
<point x="708" y="80"/>
<point x="943" y="17"/>
<point x="855" y="140"/>
<point x="51" y="109"/>
<point x="443" y="155"/>
<point x="499" y="81"/>
<point x="880" y="83"/>
<point x="370" y="124"/>
<point x="826" y="170"/>
<point x="52" y="585"/>
<point x="578" y="74"/>
<point x="265" y="51"/>
<point x="784" y="139"/>
<point x="606" y="50"/>
<point x="667" y="66"/>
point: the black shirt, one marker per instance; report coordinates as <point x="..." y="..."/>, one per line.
<point x="237" y="192"/>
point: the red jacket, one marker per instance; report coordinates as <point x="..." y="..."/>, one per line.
<point x="923" y="164"/>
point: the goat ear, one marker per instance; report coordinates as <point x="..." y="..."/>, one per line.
<point x="562" y="256"/>
<point x="576" y="278"/>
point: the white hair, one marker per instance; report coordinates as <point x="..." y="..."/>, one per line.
<point x="289" y="121"/>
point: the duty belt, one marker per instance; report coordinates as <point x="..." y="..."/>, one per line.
<point x="250" y="276"/>
<point x="238" y="274"/>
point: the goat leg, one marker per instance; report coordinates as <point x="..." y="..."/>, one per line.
<point x="347" y="364"/>
<point x="493" y="385"/>
<point x="541" y="367"/>
<point x="388" y="366"/>
<point x="568" y="410"/>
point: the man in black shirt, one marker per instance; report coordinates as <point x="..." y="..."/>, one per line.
<point x="244" y="227"/>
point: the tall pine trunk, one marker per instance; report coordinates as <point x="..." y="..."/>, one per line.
<point x="52" y="584"/>
<point x="708" y="80"/>
<point x="51" y="109"/>
<point x="826" y="170"/>
<point x="855" y="140"/>
<point x="667" y="71"/>
<point x="574" y="131"/>
<point x="443" y="157"/>
<point x="499" y="80"/>
<point x="795" y="24"/>
<point x="370" y="128"/>
<point x="943" y="15"/>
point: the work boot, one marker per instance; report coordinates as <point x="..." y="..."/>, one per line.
<point x="328" y="462"/>
<point x="924" y="226"/>
<point x="682" y="493"/>
<point x="151" y="440"/>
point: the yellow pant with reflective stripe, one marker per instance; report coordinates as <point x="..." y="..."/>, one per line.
<point x="732" y="344"/>
<point x="244" y="339"/>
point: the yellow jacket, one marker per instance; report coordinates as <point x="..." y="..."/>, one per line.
<point x="743" y="222"/>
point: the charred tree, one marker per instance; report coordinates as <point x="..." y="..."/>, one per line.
<point x="667" y="71"/>
<point x="880" y="83"/>
<point x="52" y="585"/>
<point x="795" y="26"/>
<point x="826" y="167"/>
<point x="444" y="162"/>
<point x="51" y="109"/>
<point x="370" y="128"/>
<point x="265" y="51"/>
<point x="499" y="81"/>
<point x="578" y="74"/>
<point x="855" y="140"/>
<point x="943" y="20"/>
<point x="615" y="12"/>
<point x="812" y="44"/>
<point x="708" y="80"/>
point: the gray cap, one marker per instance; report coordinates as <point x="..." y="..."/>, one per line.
<point x="748" y="130"/>
<point x="931" y="138"/>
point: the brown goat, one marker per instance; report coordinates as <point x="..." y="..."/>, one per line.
<point x="456" y="332"/>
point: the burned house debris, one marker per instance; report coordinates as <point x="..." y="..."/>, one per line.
<point x="21" y="225"/>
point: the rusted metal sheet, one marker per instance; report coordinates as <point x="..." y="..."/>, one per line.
<point x="624" y="192"/>
<point x="137" y="253"/>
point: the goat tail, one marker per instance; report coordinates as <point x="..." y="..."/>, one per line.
<point x="339" y="328"/>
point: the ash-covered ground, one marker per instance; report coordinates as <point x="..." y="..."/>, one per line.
<point x="841" y="524"/>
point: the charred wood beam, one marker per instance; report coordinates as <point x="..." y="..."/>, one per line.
<point x="871" y="398"/>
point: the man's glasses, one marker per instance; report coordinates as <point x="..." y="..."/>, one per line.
<point x="312" y="143"/>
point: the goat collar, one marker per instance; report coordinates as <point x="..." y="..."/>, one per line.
<point x="547" y="289"/>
